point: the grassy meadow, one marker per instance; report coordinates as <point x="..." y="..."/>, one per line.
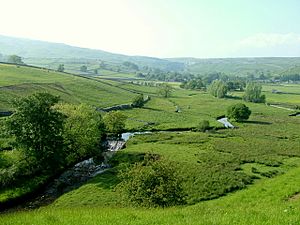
<point x="17" y="81"/>
<point x="248" y="175"/>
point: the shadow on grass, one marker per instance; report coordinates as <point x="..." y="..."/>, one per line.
<point x="234" y="97"/>
<point x="257" y="122"/>
<point x="149" y="108"/>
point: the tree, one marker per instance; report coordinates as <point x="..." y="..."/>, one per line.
<point x="152" y="183"/>
<point x="218" y="89"/>
<point x="131" y="65"/>
<point x="238" y="112"/>
<point x="61" y="68"/>
<point x="253" y="93"/>
<point x="138" y="101"/>
<point x="165" y="90"/>
<point x="193" y="84"/>
<point x="15" y="59"/>
<point x="236" y="85"/>
<point x="83" y="130"/>
<point x="115" y="122"/>
<point x="83" y="68"/>
<point x="95" y="71"/>
<point x="38" y="127"/>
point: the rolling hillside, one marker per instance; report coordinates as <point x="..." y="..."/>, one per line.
<point x="240" y="66"/>
<point x="37" y="50"/>
<point x="17" y="81"/>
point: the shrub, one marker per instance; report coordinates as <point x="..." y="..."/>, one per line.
<point x="239" y="112"/>
<point x="203" y="126"/>
<point x="138" y="101"/>
<point x="151" y="183"/>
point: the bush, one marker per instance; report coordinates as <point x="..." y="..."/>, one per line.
<point x="138" y="101"/>
<point x="239" y="112"/>
<point x="203" y="126"/>
<point x="152" y="183"/>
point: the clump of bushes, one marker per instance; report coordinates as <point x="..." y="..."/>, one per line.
<point x="238" y="112"/>
<point x="151" y="183"/>
<point x="138" y="101"/>
<point x="203" y="126"/>
<point x="253" y="93"/>
<point x="218" y="89"/>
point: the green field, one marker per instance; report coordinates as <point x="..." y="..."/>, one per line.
<point x="17" y="81"/>
<point x="238" y="176"/>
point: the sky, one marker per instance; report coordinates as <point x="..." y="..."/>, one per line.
<point x="161" y="28"/>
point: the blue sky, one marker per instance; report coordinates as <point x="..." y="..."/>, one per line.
<point x="162" y="28"/>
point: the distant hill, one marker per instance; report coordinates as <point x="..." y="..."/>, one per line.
<point x="28" y="48"/>
<point x="47" y="54"/>
<point x="239" y="66"/>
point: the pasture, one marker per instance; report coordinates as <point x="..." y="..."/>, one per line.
<point x="247" y="175"/>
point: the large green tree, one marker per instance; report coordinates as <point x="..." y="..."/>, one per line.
<point x="83" y="131"/>
<point x="253" y="93"/>
<point x="218" y="88"/>
<point x="115" y="122"/>
<point x="37" y="128"/>
<point x="165" y="90"/>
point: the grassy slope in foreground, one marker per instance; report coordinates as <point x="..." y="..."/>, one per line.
<point x="265" y="203"/>
<point x="19" y="81"/>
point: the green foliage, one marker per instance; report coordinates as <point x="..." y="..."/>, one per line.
<point x="239" y="112"/>
<point x="138" y="101"/>
<point x="152" y="183"/>
<point x="253" y="93"/>
<point x="236" y="85"/>
<point x="131" y="65"/>
<point x="218" y="89"/>
<point x="15" y="59"/>
<point x="193" y="84"/>
<point x="115" y="122"/>
<point x="61" y="68"/>
<point x="38" y="128"/>
<point x="83" y="130"/>
<point x="165" y="90"/>
<point x="203" y="126"/>
<point x="83" y="68"/>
